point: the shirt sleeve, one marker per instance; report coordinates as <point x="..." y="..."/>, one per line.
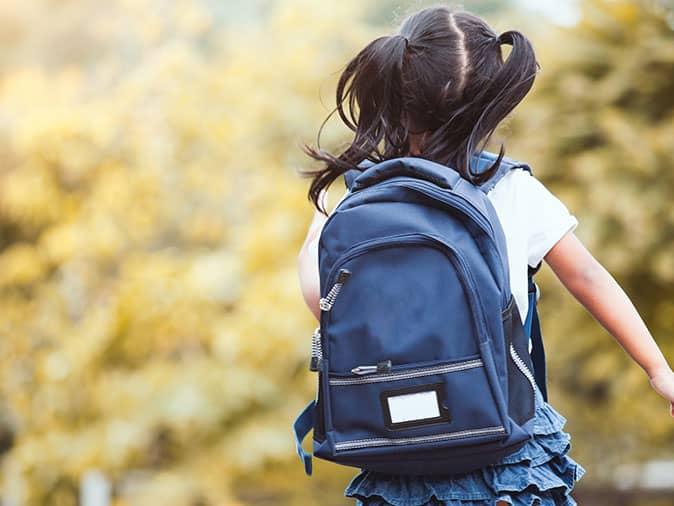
<point x="547" y="217"/>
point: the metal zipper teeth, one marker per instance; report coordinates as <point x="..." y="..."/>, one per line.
<point x="522" y="366"/>
<point x="316" y="350"/>
<point x="316" y="358"/>
<point x="412" y="373"/>
<point x="326" y="302"/>
<point x="364" y="443"/>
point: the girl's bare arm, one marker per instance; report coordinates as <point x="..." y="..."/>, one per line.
<point x="597" y="290"/>
<point x="307" y="264"/>
<point x="307" y="260"/>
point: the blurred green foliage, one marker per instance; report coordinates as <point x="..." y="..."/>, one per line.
<point x="150" y="217"/>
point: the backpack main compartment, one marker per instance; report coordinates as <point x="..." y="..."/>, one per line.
<point x="422" y="359"/>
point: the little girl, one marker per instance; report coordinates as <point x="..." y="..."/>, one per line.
<point x="435" y="90"/>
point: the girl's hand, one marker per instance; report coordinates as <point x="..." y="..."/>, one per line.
<point x="662" y="382"/>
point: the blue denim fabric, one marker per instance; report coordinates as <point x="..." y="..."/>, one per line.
<point x="538" y="474"/>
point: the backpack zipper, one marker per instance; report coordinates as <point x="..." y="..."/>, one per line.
<point x="316" y="350"/>
<point x="408" y="373"/>
<point x="383" y="441"/>
<point x="326" y="302"/>
<point x="522" y="366"/>
<point x="382" y="367"/>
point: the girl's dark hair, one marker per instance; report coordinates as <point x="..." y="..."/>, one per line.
<point x="443" y="73"/>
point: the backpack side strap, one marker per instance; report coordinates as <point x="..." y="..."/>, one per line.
<point x="304" y="423"/>
<point x="487" y="158"/>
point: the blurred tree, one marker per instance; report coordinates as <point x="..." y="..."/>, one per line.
<point x="150" y="217"/>
<point x="150" y="310"/>
<point x="599" y="131"/>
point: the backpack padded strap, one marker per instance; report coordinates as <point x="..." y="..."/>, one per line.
<point x="420" y="168"/>
<point x="304" y="423"/>
<point x="486" y="160"/>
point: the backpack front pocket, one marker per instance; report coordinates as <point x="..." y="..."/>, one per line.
<point x="446" y="402"/>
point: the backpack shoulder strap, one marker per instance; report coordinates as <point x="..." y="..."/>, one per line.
<point x="486" y="159"/>
<point x="532" y="324"/>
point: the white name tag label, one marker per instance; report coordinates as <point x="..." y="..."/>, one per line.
<point x="414" y="406"/>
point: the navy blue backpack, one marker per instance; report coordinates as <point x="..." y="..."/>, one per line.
<point x="422" y="360"/>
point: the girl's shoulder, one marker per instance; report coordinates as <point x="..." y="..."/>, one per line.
<point x="515" y="179"/>
<point x="532" y="212"/>
<point x="521" y="187"/>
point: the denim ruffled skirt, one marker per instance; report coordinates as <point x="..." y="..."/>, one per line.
<point x="540" y="473"/>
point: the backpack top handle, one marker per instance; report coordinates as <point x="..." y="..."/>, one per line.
<point x="420" y="168"/>
<point x="369" y="173"/>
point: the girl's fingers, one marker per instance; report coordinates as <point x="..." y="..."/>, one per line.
<point x="663" y="383"/>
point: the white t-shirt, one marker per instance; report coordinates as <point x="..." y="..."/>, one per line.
<point x="533" y="221"/>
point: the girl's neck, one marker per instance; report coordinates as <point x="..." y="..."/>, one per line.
<point x="415" y="144"/>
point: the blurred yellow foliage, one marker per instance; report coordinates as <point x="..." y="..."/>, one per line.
<point x="150" y="217"/>
<point x="606" y="107"/>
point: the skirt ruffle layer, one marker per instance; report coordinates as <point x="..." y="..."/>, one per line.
<point x="540" y="473"/>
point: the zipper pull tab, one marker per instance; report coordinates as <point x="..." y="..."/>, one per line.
<point x="314" y="364"/>
<point x="364" y="369"/>
<point x="382" y="367"/>
<point x="326" y="302"/>
<point x="316" y="350"/>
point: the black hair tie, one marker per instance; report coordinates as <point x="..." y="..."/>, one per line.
<point x="407" y="41"/>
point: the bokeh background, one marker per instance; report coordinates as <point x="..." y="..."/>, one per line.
<point x="153" y="338"/>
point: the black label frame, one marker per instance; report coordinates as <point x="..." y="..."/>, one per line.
<point x="429" y="387"/>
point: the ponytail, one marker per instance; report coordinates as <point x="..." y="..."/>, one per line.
<point x="372" y="80"/>
<point x="510" y="85"/>
<point x="442" y="74"/>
